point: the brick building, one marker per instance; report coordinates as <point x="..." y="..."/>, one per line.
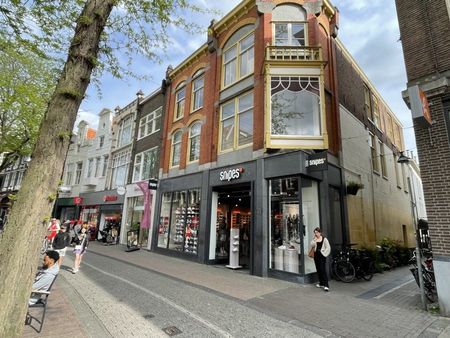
<point x="258" y="148"/>
<point x="425" y="36"/>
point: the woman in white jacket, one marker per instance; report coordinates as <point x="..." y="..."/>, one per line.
<point x="322" y="249"/>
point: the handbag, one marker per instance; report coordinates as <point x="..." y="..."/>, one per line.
<point x="311" y="253"/>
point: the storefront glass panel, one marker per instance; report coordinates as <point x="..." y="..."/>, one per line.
<point x="134" y="218"/>
<point x="291" y="230"/>
<point x="180" y="221"/>
<point x="163" y="232"/>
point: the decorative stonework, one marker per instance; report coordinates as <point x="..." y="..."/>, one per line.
<point x="314" y="8"/>
<point x="266" y="6"/>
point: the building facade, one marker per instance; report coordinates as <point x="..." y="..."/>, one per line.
<point x="139" y="199"/>
<point x="252" y="156"/>
<point x="425" y="36"/>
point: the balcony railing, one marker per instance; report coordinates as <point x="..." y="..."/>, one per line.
<point x="294" y="53"/>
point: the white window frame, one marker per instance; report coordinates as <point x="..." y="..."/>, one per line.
<point x="382" y="160"/>
<point x="290" y="37"/>
<point x="78" y="171"/>
<point x="120" y="159"/>
<point x="193" y="137"/>
<point x="69" y="173"/>
<point x="180" y="101"/>
<point x="101" y="141"/>
<point x="198" y="91"/>
<point x="139" y="160"/>
<point x="98" y="161"/>
<point x="125" y="124"/>
<point x="176" y="145"/>
<point x="148" y="124"/>
<point x="237" y="59"/>
<point x="374" y="153"/>
<point x="90" y="167"/>
<point x="105" y="165"/>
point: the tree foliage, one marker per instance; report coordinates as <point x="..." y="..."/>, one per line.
<point x="26" y="83"/>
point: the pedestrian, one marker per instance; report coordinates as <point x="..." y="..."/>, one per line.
<point x="81" y="244"/>
<point x="60" y="243"/>
<point x="53" y="228"/>
<point x="76" y="227"/>
<point x="321" y="248"/>
<point x="45" y="277"/>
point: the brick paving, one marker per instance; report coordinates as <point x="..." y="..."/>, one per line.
<point x="360" y="309"/>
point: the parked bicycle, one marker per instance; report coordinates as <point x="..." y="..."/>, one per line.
<point x="429" y="282"/>
<point x="349" y="264"/>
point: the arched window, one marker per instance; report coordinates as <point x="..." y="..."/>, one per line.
<point x="197" y="89"/>
<point x="180" y="98"/>
<point x="289" y="25"/>
<point x="238" y="56"/>
<point x="194" y="141"/>
<point x="176" y="148"/>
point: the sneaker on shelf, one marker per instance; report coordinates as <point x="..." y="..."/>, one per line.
<point x="319" y="286"/>
<point x="326" y="289"/>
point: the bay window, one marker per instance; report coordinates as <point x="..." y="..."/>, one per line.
<point x="236" y="126"/>
<point x="295" y="106"/>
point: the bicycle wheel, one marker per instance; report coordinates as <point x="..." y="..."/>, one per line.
<point x="367" y="272"/>
<point x="345" y="271"/>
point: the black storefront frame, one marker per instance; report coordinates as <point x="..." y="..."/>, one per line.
<point x="259" y="172"/>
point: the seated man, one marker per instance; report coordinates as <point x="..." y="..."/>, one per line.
<point x="45" y="277"/>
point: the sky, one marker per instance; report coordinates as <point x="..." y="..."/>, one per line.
<point x="367" y="28"/>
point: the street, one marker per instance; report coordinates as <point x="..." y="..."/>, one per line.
<point x="142" y="294"/>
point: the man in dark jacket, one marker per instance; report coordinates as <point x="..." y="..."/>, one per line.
<point x="61" y="241"/>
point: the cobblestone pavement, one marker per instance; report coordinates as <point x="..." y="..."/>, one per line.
<point x="139" y="294"/>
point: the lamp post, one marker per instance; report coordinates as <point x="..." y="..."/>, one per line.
<point x="403" y="159"/>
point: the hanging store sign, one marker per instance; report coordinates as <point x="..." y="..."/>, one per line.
<point x="419" y="105"/>
<point x="232" y="174"/>
<point x="153" y="184"/>
<point x="317" y="161"/>
<point x="77" y="200"/>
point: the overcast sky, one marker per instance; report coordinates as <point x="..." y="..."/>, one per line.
<point x="368" y="29"/>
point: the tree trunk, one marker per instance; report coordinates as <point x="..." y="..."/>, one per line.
<point x="28" y="220"/>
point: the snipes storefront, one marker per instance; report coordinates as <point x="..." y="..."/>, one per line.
<point x="256" y="215"/>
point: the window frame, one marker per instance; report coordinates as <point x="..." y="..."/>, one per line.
<point x="199" y="75"/>
<point x="374" y="153"/>
<point x="141" y="165"/>
<point x="236" y="119"/>
<point x="177" y="116"/>
<point x="120" y="159"/>
<point x="237" y="69"/>
<point x="149" y="120"/>
<point x="123" y="124"/>
<point x="382" y="155"/>
<point x="191" y="137"/>
<point x="69" y="174"/>
<point x="78" y="172"/>
<point x="290" y="37"/>
<point x="172" y="148"/>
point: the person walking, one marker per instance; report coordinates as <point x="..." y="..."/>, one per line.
<point x="81" y="244"/>
<point x="53" y="228"/>
<point x="60" y="243"/>
<point x="321" y="248"/>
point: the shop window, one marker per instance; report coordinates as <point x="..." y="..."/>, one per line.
<point x="194" y="142"/>
<point x="180" y="221"/>
<point x="180" y="98"/>
<point x="176" y="149"/>
<point x="289" y="34"/>
<point x="291" y="229"/>
<point x="238" y="57"/>
<point x="236" y="127"/>
<point x="135" y="211"/>
<point x="295" y="104"/>
<point x="197" y="90"/>
<point x="145" y="165"/>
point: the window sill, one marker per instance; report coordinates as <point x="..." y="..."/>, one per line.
<point x="376" y="172"/>
<point x="235" y="82"/>
<point x="385" y="177"/>
<point x="221" y="152"/>
<point x="196" y="110"/>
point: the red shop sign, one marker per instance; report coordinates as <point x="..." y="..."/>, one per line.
<point x="109" y="198"/>
<point x="77" y="200"/>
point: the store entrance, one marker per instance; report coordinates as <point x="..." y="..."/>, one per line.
<point x="233" y="226"/>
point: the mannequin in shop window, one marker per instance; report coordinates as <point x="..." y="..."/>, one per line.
<point x="222" y="236"/>
<point x="245" y="244"/>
